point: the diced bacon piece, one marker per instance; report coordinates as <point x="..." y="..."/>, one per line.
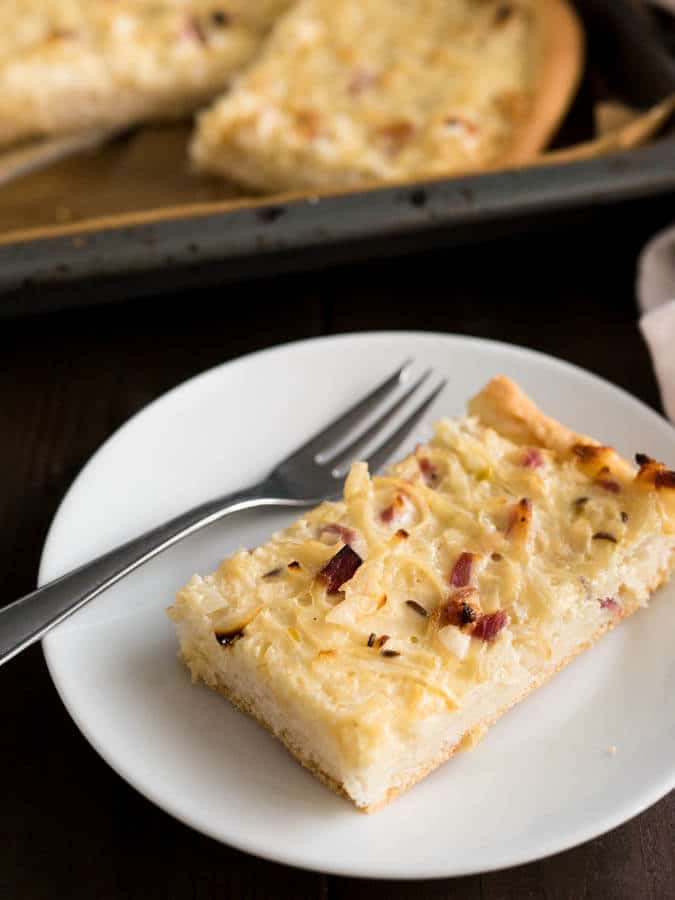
<point x="427" y="468"/>
<point x="347" y="534"/>
<point x="488" y="626"/>
<point x="533" y="458"/>
<point x="609" y="603"/>
<point x="340" y="568"/>
<point x="461" y="571"/>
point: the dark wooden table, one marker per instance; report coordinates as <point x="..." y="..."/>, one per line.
<point x="70" y="827"/>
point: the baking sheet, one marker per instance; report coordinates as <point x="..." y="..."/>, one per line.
<point x="134" y="206"/>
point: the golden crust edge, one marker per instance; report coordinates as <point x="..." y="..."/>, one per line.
<point x="249" y="708"/>
<point x="504" y="406"/>
<point x="560" y="49"/>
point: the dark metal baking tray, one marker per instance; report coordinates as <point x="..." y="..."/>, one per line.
<point x="143" y="252"/>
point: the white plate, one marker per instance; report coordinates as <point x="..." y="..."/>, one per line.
<point x="541" y="781"/>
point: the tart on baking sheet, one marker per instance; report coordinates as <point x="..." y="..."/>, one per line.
<point x="67" y="65"/>
<point x="377" y="635"/>
<point x="361" y="91"/>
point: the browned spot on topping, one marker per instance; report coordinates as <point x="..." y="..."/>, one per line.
<point x="652" y="472"/>
<point x="294" y="565"/>
<point x="594" y="459"/>
<point x="381" y="601"/>
<point x="361" y="81"/>
<point x="402" y="534"/>
<point x="381" y="641"/>
<point x="608" y="484"/>
<point x="461" y="608"/>
<point x="580" y="502"/>
<point x="272" y="573"/>
<point x="624" y="516"/>
<point x="390" y="654"/>
<point x="63" y="34"/>
<point x="371" y="639"/>
<point x="604" y="536"/>
<point x="396" y="135"/>
<point x="467" y="614"/>
<point x="496" y="557"/>
<point x="503" y="13"/>
<point x="340" y="568"/>
<point x="308" y="122"/>
<point x="514" y="104"/>
<point x="332" y="652"/>
<point x="585" y="452"/>
<point x="221" y="18"/>
<point x="519" y="518"/>
<point x="417" y="607"/>
<point x="225" y="638"/>
<point x="665" y="479"/>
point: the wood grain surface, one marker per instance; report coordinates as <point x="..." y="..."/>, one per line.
<point x="70" y="827"/>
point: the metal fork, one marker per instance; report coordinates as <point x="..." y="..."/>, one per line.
<point x="310" y="474"/>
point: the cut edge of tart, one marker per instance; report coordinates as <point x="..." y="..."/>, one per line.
<point x="378" y="635"/>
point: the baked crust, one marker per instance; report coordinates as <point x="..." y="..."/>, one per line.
<point x="503" y="406"/>
<point x="559" y="59"/>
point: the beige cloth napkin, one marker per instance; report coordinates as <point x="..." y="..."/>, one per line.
<point x="656" y="298"/>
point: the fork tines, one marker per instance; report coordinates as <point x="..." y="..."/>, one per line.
<point x="336" y="443"/>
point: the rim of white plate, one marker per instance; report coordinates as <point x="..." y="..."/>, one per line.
<point x="573" y="837"/>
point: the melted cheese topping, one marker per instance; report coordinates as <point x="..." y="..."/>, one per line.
<point x="68" y="64"/>
<point x="587" y="542"/>
<point x="367" y="90"/>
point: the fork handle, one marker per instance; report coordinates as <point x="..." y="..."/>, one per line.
<point x="29" y="618"/>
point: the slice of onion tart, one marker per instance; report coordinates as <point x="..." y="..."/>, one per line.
<point x="367" y="91"/>
<point x="377" y="635"/>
